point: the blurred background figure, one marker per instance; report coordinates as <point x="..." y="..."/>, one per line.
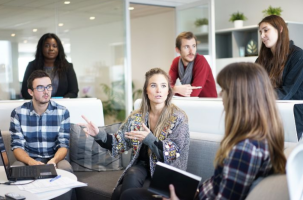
<point x="283" y="63"/>
<point x="51" y="58"/>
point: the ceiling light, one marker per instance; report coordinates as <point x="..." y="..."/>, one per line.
<point x="13" y="34"/>
<point x="131" y="8"/>
<point x="35" y="30"/>
<point x="60" y="24"/>
<point x="66" y="2"/>
<point x="25" y="41"/>
<point x="92" y="18"/>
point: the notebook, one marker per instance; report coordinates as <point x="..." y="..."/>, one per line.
<point x="185" y="183"/>
<point x="25" y="172"/>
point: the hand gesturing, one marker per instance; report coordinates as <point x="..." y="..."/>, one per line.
<point x="138" y="135"/>
<point x="90" y="128"/>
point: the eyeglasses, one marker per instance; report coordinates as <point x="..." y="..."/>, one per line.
<point x="41" y="88"/>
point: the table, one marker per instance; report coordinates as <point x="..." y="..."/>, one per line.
<point x="41" y="196"/>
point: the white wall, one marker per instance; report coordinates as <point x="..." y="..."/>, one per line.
<point x="92" y="55"/>
<point x="90" y="45"/>
<point x="292" y="11"/>
<point x="152" y="44"/>
<point x="6" y="65"/>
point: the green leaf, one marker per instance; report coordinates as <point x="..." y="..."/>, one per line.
<point x="237" y="16"/>
<point x="114" y="106"/>
<point x="251" y="47"/>
<point x="201" y="21"/>
<point x="272" y="11"/>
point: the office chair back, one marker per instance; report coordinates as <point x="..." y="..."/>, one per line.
<point x="294" y="173"/>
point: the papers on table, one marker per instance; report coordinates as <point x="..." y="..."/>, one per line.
<point x="44" y="185"/>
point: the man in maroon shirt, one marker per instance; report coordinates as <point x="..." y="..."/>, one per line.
<point x="192" y="69"/>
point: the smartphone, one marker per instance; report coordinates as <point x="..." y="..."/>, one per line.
<point x="14" y="196"/>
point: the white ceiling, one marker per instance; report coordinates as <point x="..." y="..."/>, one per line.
<point x="141" y="10"/>
<point x="22" y="16"/>
<point x="165" y="2"/>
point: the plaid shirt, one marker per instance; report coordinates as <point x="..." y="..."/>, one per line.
<point x="247" y="161"/>
<point x="40" y="135"/>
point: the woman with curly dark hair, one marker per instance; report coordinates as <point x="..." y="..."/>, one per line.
<point x="50" y="57"/>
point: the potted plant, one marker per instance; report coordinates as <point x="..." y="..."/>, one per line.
<point x="203" y="24"/>
<point x="238" y="19"/>
<point x="114" y="106"/>
<point x="272" y="11"/>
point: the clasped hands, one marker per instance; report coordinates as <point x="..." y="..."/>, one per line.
<point x="92" y="130"/>
<point x="35" y="162"/>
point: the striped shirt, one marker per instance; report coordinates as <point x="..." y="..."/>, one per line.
<point x="40" y="135"/>
<point x="247" y="161"/>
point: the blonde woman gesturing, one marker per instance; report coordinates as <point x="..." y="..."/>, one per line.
<point x="158" y="131"/>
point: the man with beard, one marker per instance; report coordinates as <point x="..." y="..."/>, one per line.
<point x="40" y="128"/>
<point x="192" y="69"/>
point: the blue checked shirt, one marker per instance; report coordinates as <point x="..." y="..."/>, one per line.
<point x="247" y="161"/>
<point x="40" y="136"/>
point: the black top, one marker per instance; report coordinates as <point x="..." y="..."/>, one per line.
<point x="143" y="155"/>
<point x="292" y="77"/>
<point x="292" y="83"/>
<point x="68" y="84"/>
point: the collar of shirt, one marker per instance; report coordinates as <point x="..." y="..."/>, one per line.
<point x="51" y="106"/>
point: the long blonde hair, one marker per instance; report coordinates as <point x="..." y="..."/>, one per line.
<point x="168" y="109"/>
<point x="250" y="112"/>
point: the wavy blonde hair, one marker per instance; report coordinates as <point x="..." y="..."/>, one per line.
<point x="250" y="112"/>
<point x="168" y="109"/>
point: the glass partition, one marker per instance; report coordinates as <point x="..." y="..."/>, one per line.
<point x="195" y="19"/>
<point x="198" y="17"/>
<point x="93" y="36"/>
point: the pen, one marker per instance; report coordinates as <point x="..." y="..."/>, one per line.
<point x="53" y="179"/>
<point x="157" y="196"/>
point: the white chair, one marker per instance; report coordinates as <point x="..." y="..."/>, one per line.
<point x="294" y="173"/>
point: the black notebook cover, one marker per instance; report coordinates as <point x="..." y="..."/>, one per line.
<point x="185" y="183"/>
